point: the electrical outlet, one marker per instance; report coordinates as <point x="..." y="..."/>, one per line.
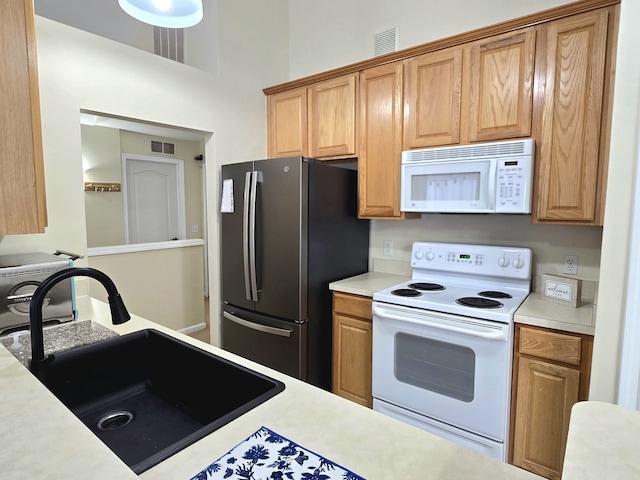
<point x="387" y="248"/>
<point x="195" y="228"/>
<point x="571" y="264"/>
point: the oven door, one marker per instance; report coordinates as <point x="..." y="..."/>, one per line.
<point x="450" y="368"/>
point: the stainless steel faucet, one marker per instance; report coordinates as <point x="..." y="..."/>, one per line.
<point x="119" y="313"/>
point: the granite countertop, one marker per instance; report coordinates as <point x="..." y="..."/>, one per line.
<point x="41" y="439"/>
<point x="57" y="338"/>
<point x="602" y="443"/>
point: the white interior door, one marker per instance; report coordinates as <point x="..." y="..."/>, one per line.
<point x="153" y="199"/>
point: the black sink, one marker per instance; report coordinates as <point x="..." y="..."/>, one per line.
<point x="148" y="395"/>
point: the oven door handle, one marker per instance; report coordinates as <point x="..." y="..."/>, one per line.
<point x="384" y="313"/>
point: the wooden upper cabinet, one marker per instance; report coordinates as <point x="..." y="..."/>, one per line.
<point x="22" y="192"/>
<point x="287" y="123"/>
<point x="332" y="117"/>
<point x="380" y="123"/>
<point x="433" y="86"/>
<point x="500" y="102"/>
<point x="569" y="146"/>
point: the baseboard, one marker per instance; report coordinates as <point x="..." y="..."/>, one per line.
<point x="193" y="328"/>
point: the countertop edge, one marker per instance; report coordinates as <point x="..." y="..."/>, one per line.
<point x="367" y="283"/>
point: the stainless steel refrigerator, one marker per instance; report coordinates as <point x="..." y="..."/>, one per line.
<point x="289" y="228"/>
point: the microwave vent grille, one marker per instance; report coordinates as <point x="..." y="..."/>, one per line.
<point x="27" y="272"/>
<point x="468" y="151"/>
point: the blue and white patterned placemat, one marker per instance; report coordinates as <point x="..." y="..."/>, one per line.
<point x="266" y="455"/>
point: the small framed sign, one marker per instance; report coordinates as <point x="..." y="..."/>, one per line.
<point x="561" y="290"/>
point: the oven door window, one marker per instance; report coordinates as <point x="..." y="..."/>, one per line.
<point x="441" y="367"/>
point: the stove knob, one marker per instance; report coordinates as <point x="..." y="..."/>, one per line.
<point x="430" y="255"/>
<point x="503" y="261"/>
<point x="518" y="262"/>
<point x="419" y="254"/>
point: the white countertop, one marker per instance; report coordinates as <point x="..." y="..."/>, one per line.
<point x="41" y="439"/>
<point x="540" y="313"/>
<point x="368" y="283"/>
<point x="602" y="443"/>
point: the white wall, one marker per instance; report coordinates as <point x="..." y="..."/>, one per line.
<point x="101" y="163"/>
<point x="172" y="292"/>
<point x="333" y="33"/>
<point x="616" y="239"/>
<point x="78" y="71"/>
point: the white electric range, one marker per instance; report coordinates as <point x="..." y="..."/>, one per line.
<point x="443" y="342"/>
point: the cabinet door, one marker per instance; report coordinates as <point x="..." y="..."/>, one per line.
<point x="352" y="359"/>
<point x="287" y="123"/>
<point x="22" y="193"/>
<point x="546" y="392"/>
<point x="352" y="336"/>
<point x="433" y="86"/>
<point x="380" y="142"/>
<point x="501" y="86"/>
<point x="569" y="147"/>
<point x="332" y="117"/>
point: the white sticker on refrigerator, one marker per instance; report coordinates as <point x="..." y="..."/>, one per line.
<point x="227" y="196"/>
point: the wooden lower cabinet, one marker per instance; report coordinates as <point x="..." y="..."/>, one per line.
<point x="352" y="335"/>
<point x="551" y="373"/>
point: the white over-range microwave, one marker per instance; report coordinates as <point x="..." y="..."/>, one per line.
<point x="484" y="178"/>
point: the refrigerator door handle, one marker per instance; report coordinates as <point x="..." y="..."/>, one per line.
<point x="245" y="234"/>
<point x="255" y="178"/>
<point x="256" y="326"/>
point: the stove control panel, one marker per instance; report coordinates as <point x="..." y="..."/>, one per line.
<point x="510" y="262"/>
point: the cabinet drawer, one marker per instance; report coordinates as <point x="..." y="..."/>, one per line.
<point x="353" y="305"/>
<point x="551" y="345"/>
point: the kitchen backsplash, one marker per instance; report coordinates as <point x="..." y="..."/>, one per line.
<point x="549" y="243"/>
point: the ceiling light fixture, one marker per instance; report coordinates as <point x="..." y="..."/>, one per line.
<point x="164" y="13"/>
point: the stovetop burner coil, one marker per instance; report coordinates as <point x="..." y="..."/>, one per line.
<point x="427" y="287"/>
<point x="494" y="294"/>
<point x="478" y="302"/>
<point x="406" y="292"/>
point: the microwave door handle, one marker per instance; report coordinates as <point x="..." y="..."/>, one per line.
<point x="493" y="176"/>
<point x="382" y="313"/>
<point x="245" y="234"/>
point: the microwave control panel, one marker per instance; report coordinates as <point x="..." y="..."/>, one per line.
<point x="514" y="185"/>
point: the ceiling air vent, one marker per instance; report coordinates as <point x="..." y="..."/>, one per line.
<point x="169" y="43"/>
<point x="386" y="42"/>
